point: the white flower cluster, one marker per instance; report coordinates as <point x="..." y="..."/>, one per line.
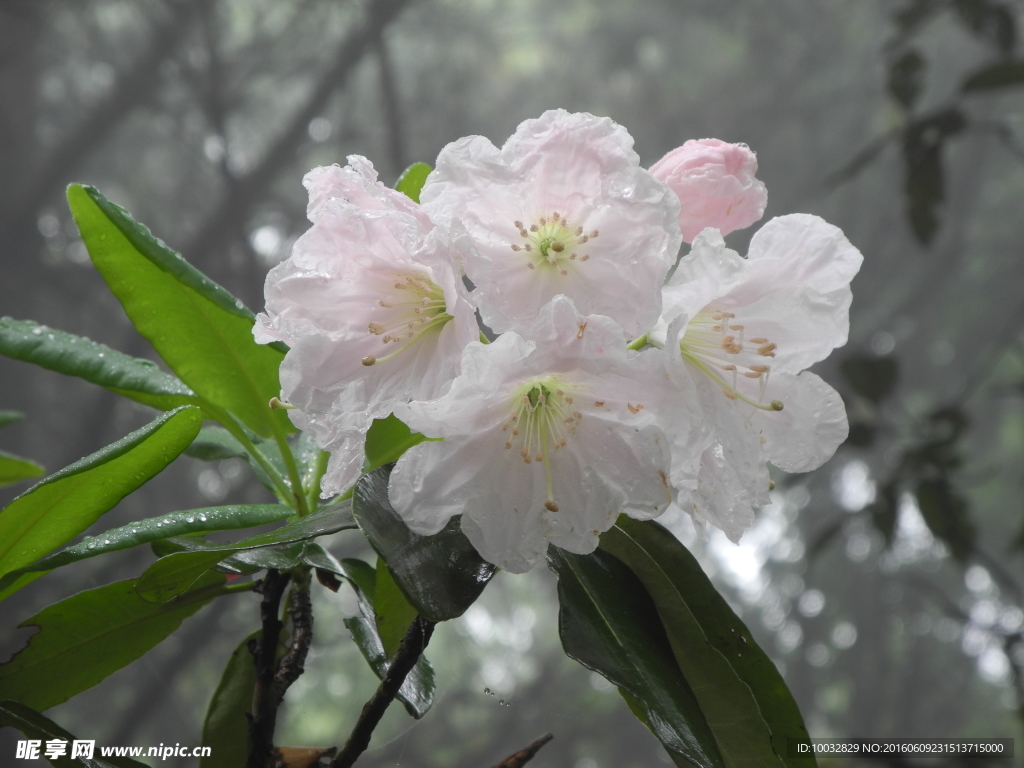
<point x="609" y="389"/>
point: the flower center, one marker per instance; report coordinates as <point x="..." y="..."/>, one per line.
<point x="541" y="418"/>
<point x="552" y="243"/>
<point x="413" y="308"/>
<point x="717" y="345"/>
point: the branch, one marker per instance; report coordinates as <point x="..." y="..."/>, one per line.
<point x="264" y="701"/>
<point x="243" y="191"/>
<point x="301" y="611"/>
<point x="523" y="756"/>
<point x="409" y="652"/>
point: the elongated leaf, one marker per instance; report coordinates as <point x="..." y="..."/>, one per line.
<point x="391" y="611"/>
<point x="411" y="182"/>
<point x="216" y="444"/>
<point x="608" y="622"/>
<point x="226" y="727"/>
<point x="72" y="355"/>
<point x="154" y="528"/>
<point x="88" y="636"/>
<point x="174" y="573"/>
<point x="198" y="328"/>
<point x="386" y="441"/>
<point x="440" y="575"/>
<point x="743" y="697"/>
<point x="1001" y="75"/>
<point x="66" y="503"/>
<point x="14" y="469"/>
<point x="9" y="417"/>
<point x="417" y="692"/>
<point x="37" y="726"/>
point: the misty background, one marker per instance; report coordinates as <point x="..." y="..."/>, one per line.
<point x="888" y="585"/>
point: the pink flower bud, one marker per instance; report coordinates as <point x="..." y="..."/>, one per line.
<point x="715" y="184"/>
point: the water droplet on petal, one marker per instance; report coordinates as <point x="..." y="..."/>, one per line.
<point x="91" y="545"/>
<point x="203" y="518"/>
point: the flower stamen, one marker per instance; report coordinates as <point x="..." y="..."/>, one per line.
<point x="719" y="349"/>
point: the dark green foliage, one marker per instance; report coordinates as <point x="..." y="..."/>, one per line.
<point x="906" y="78"/>
<point x="417" y="692"/>
<point x="88" y="636"/>
<point x="884" y="511"/>
<point x="1001" y="75"/>
<point x="72" y="355"/>
<point x="993" y="22"/>
<point x="441" y="575"/>
<point x="608" y="622"/>
<point x="174" y="573"/>
<point x="198" y="328"/>
<point x="154" y="528"/>
<point x="925" y="184"/>
<point x="66" y="503"/>
<point x="871" y="377"/>
<point x="226" y="727"/>
<point x="36" y="726"/>
<point x="743" y="697"/>
<point x="945" y="512"/>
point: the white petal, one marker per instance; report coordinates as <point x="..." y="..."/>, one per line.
<point x="811" y="426"/>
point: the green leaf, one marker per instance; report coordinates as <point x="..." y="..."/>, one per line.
<point x="66" y="503"/>
<point x="391" y="611"/>
<point x="743" y="697"/>
<point x="386" y="441"/>
<point x="174" y="573"/>
<point x="36" y="726"/>
<point x="88" y="636"/>
<point x="155" y="528"/>
<point x="906" y="78"/>
<point x="198" y="328"/>
<point x="14" y="469"/>
<point x="417" y="692"/>
<point x="871" y="377"/>
<point x="141" y="380"/>
<point x="440" y="575"/>
<point x="9" y="417"/>
<point x="216" y="444"/>
<point x="1001" y="75"/>
<point x="226" y="727"/>
<point x="412" y="180"/>
<point x="946" y="514"/>
<point x="608" y="622"/>
<point x="925" y="180"/>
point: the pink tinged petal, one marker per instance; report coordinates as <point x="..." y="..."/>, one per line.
<point x="357" y="185"/>
<point x="716" y="186"/>
<point x="811" y="426"/>
<point x="620" y="232"/>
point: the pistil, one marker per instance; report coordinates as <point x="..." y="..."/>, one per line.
<point x="542" y="415"/>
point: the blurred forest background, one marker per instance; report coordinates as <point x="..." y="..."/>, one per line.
<point x="888" y="585"/>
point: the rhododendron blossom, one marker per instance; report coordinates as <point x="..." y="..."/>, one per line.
<point x="546" y="440"/>
<point x="563" y="208"/>
<point x="716" y="186"/>
<point x="373" y="307"/>
<point x="746" y="329"/>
